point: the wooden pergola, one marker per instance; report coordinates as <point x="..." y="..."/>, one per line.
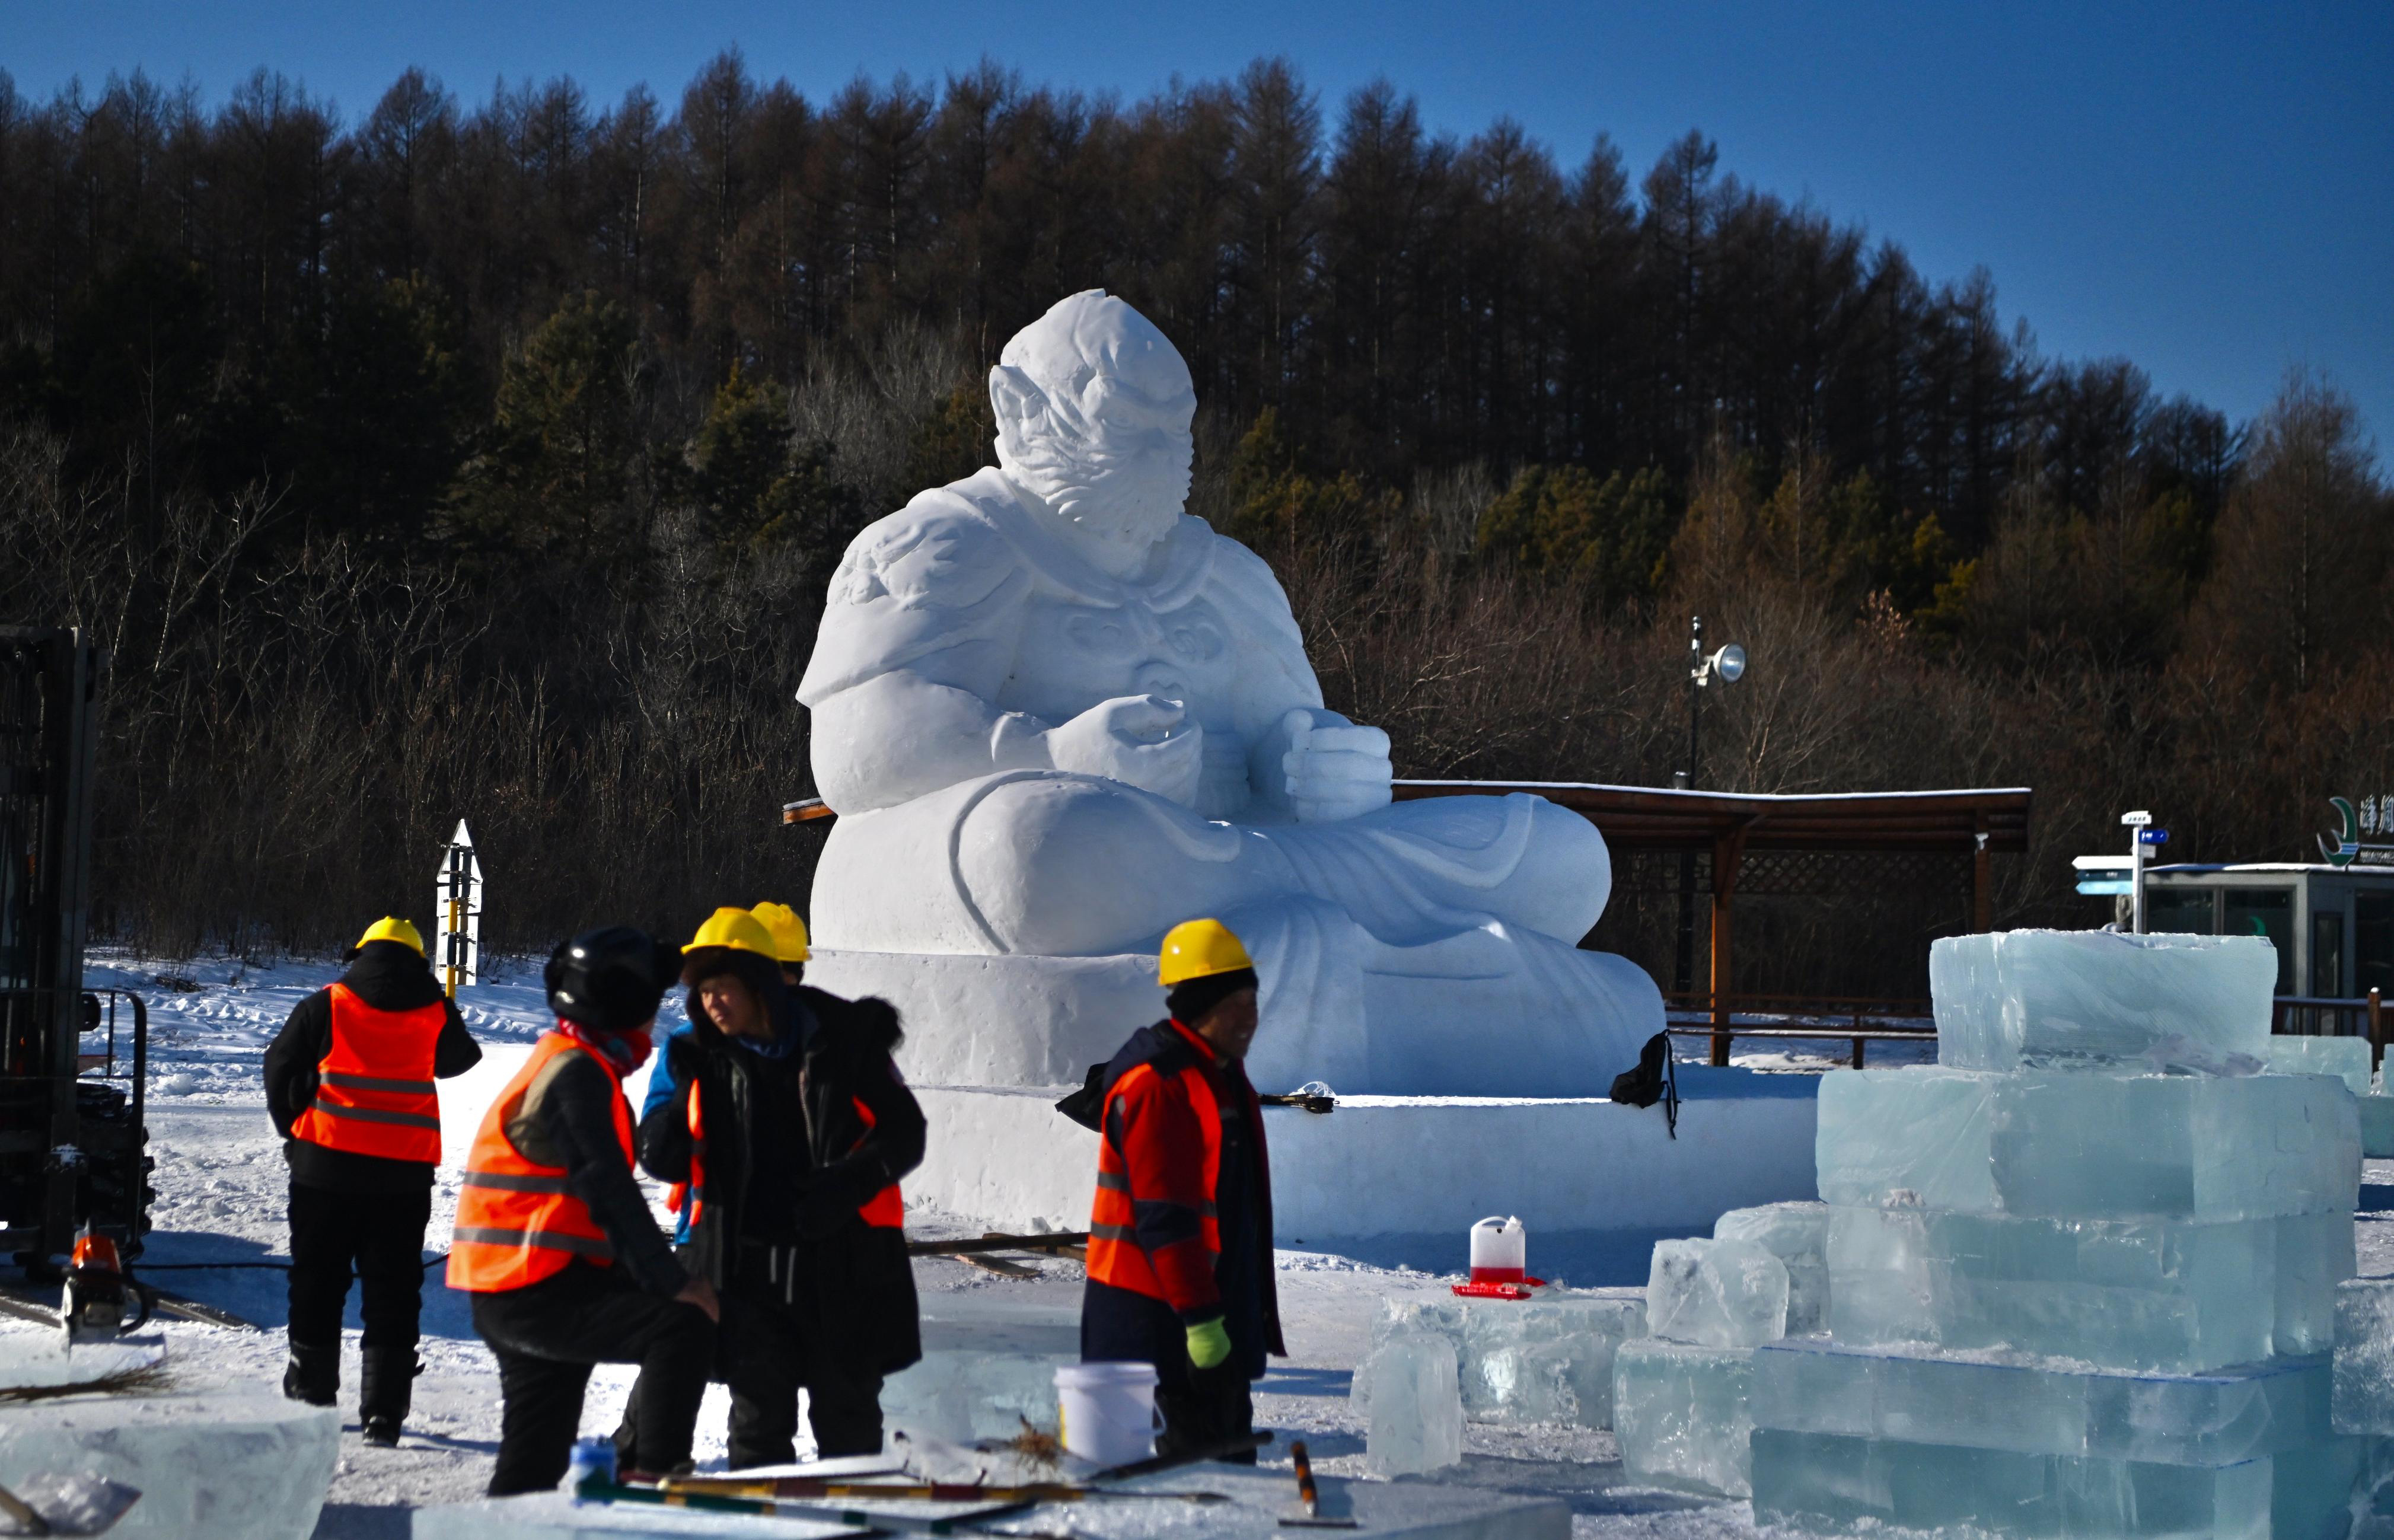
<point x="1781" y="839"/>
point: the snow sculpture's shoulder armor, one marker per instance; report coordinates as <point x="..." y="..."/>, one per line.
<point x="939" y="572"/>
<point x="1242" y="585"/>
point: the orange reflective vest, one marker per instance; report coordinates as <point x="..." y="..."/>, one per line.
<point x="375" y="1092"/>
<point x="885" y="1210"/>
<point x="1160" y="1146"/>
<point x="517" y="1222"/>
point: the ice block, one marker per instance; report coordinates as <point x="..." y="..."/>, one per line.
<point x="1716" y="1294"/>
<point x="1798" y="1233"/>
<point x="2037" y="1405"/>
<point x="2377" y="1126"/>
<point x="1831" y="1482"/>
<point x="962" y="1395"/>
<point x="2012" y="999"/>
<point x="1415" y="1408"/>
<point x="2364" y="1357"/>
<point x="2096" y="1145"/>
<point x="1546" y="1359"/>
<point x="1682" y="1415"/>
<point x="2147" y="1294"/>
<point x="2345" y="1058"/>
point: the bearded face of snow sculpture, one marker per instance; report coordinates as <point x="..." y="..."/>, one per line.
<point x="1058" y="717"/>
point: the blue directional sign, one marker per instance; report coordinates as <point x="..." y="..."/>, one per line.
<point x="2152" y="836"/>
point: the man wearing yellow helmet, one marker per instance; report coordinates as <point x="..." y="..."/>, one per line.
<point x="349" y="1086"/>
<point x="778" y="1116"/>
<point x="1180" y="1235"/>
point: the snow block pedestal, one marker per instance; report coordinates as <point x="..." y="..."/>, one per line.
<point x="1259" y="1499"/>
<point x="214" y="1466"/>
<point x="1400" y="1179"/>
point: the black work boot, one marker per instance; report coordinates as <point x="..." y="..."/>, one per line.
<point x="386" y="1386"/>
<point x="314" y="1373"/>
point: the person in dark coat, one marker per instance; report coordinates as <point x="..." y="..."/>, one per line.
<point x="349" y="1087"/>
<point x="778" y="1113"/>
<point x="1180" y="1232"/>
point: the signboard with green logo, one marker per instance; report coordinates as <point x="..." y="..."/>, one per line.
<point x="2350" y="845"/>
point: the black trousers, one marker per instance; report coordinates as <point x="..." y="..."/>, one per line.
<point x="766" y="1354"/>
<point x="1204" y="1409"/>
<point x="546" y="1338"/>
<point x="767" y="1349"/>
<point x="381" y="1234"/>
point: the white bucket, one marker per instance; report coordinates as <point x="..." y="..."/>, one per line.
<point x="1108" y="1410"/>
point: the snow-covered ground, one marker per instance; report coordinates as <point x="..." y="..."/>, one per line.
<point x="221" y="1185"/>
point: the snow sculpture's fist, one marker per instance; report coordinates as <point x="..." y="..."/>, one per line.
<point x="1143" y="740"/>
<point x="1335" y="770"/>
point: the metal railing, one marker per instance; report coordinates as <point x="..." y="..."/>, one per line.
<point x="1856" y="1019"/>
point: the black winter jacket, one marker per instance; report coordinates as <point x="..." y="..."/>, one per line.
<point x="388" y="976"/>
<point x="790" y="1160"/>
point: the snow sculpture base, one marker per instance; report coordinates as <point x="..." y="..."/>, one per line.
<point x="1256" y="1502"/>
<point x="216" y="1465"/>
<point x="1001" y="1020"/>
<point x="1400" y="1179"/>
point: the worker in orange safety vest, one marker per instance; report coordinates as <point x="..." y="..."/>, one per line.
<point x="554" y="1238"/>
<point x="349" y="1082"/>
<point x="780" y="1116"/>
<point x="1180" y="1233"/>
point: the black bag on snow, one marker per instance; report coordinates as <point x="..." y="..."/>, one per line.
<point x="1656" y="1078"/>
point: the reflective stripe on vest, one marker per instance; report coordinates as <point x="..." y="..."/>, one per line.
<point x="519" y="1222"/>
<point x="886" y="1208"/>
<point x="375" y="1094"/>
<point x="1114" y="1255"/>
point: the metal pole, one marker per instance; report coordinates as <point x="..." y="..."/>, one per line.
<point x="1686" y="959"/>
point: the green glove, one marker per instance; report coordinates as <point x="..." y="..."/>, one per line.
<point x="1209" y="1343"/>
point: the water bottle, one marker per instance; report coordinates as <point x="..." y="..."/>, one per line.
<point x="1499" y="1251"/>
<point x="594" y="1460"/>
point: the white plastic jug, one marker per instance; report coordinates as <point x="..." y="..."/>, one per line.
<point x="1108" y="1410"/>
<point x="1500" y="1250"/>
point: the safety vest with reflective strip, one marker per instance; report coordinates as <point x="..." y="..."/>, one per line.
<point x="517" y="1222"/>
<point x="375" y="1093"/>
<point x="885" y="1210"/>
<point x="1179" y="1272"/>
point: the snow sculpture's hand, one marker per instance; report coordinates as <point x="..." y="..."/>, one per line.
<point x="1143" y="740"/>
<point x="1335" y="770"/>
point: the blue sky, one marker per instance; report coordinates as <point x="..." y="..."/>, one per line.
<point x="2205" y="189"/>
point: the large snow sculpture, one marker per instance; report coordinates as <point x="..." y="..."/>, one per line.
<point x="1057" y="716"/>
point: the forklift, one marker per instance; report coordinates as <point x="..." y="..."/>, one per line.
<point x="71" y="1059"/>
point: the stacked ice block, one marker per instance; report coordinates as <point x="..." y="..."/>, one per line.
<point x="1681" y="1397"/>
<point x="1543" y="1360"/>
<point x="2082" y="1275"/>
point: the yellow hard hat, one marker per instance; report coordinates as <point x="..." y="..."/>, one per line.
<point x="1197" y="949"/>
<point x="789" y="931"/>
<point x="391" y="927"/>
<point x="736" y="928"/>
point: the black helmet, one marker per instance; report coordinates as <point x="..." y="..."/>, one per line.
<point x="610" y="978"/>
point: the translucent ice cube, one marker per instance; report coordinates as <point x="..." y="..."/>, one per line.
<point x="2364" y="1357"/>
<point x="2035" y="1405"/>
<point x="1547" y="1359"/>
<point x="1682" y="1415"/>
<point x="1716" y="1294"/>
<point x="2139" y="1293"/>
<point x="1797" y="1235"/>
<point x="2047" y="1143"/>
<point x="2012" y="998"/>
<point x="2377" y="1126"/>
<point x="1833" y="1481"/>
<point x="1415" y="1410"/>
<point x="2346" y="1057"/>
<point x="229" y="1465"/>
<point x="960" y="1395"/>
